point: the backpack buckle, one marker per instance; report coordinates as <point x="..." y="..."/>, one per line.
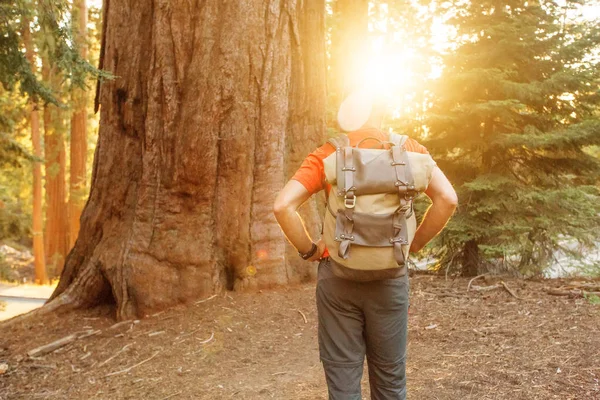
<point x="400" y="240"/>
<point x="349" y="202"/>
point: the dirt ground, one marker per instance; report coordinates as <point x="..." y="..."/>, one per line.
<point x="476" y="345"/>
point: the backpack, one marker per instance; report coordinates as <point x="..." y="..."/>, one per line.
<point x="369" y="220"/>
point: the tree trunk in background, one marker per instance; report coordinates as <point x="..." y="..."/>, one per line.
<point x="55" y="160"/>
<point x="78" y="149"/>
<point x="41" y="275"/>
<point x="39" y="257"/>
<point x="214" y="105"/>
<point x="471" y="259"/>
<point x="306" y="120"/>
<point x="349" y="47"/>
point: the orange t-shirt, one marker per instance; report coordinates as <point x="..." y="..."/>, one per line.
<point x="311" y="173"/>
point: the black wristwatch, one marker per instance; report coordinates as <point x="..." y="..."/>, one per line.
<point x="310" y="253"/>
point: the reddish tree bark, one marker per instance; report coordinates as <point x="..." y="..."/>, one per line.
<point x="78" y="148"/>
<point x="56" y="246"/>
<point x="213" y="106"/>
<point x="39" y="257"/>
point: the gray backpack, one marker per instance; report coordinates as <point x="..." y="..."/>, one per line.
<point x="369" y="223"/>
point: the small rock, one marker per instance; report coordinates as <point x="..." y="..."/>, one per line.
<point x="3" y="368"/>
<point x="432" y="326"/>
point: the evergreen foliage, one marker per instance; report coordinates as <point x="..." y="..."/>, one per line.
<point x="513" y="120"/>
<point x="15" y="71"/>
<point x="49" y="21"/>
<point x="50" y="24"/>
<point x="15" y="168"/>
<point x="49" y="18"/>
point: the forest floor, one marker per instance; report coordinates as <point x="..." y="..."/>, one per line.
<point x="462" y="345"/>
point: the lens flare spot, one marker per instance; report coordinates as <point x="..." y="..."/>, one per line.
<point x="262" y="254"/>
<point x="251" y="270"/>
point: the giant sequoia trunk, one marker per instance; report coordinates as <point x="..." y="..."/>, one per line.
<point x="37" y="228"/>
<point x="78" y="149"/>
<point x="213" y="106"/>
<point x="56" y="246"/>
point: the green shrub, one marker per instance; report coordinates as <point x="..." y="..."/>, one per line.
<point x="592" y="298"/>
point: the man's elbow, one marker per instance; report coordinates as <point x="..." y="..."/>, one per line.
<point x="447" y="199"/>
<point x="280" y="207"/>
<point x="451" y="199"/>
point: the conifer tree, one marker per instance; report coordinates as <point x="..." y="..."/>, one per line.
<point x="514" y="113"/>
<point x="56" y="246"/>
<point x="78" y="147"/>
<point x="16" y="72"/>
<point x="37" y="225"/>
<point x="29" y="31"/>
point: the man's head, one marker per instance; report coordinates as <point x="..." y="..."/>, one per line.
<point x="361" y="109"/>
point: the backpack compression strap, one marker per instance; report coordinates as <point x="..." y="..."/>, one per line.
<point x="345" y="184"/>
<point x="405" y="185"/>
<point x="338" y="143"/>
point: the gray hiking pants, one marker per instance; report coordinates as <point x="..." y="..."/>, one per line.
<point x="358" y="319"/>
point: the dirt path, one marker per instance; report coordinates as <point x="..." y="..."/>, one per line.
<point x="19" y="299"/>
<point x="13" y="306"/>
<point x="257" y="346"/>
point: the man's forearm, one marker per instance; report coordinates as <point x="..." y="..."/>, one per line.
<point x="293" y="228"/>
<point x="434" y="221"/>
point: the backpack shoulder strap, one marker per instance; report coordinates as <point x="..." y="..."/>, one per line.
<point x="340" y="141"/>
<point x="398" y="140"/>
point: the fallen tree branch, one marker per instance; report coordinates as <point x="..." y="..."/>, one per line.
<point x="57" y="344"/>
<point x="509" y="290"/>
<point x="572" y="292"/>
<point x="486" y="288"/>
<point x="207" y="299"/>
<point x="88" y="334"/>
<point x="592" y="287"/>
<point x="126" y="370"/>
<point x="115" y="355"/>
<point x="559" y="292"/>
<point x="120" y="324"/>
<point x="303" y="316"/>
<point x="50" y="347"/>
<point x="472" y="280"/>
<point x="212" y="335"/>
<point x="500" y="285"/>
<point x="187" y="334"/>
<point x="52" y="366"/>
<point x="446" y="294"/>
